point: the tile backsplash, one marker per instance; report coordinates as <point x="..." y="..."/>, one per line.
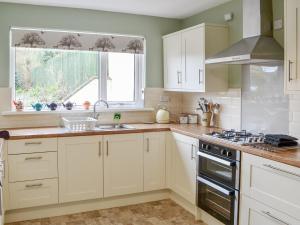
<point x="294" y="117"/>
<point x="177" y="103"/>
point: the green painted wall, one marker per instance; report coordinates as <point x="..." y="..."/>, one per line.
<point x="153" y="28"/>
<point x="150" y="27"/>
<point x="216" y="15"/>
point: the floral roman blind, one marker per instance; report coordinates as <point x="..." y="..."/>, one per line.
<point x="37" y="38"/>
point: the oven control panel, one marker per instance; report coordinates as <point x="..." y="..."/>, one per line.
<point x="220" y="151"/>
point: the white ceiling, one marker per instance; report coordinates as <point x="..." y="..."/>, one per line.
<point x="162" y="8"/>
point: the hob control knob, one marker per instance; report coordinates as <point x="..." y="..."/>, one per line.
<point x="223" y="152"/>
<point x="229" y="154"/>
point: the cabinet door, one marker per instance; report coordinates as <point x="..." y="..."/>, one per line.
<point x="253" y="212"/>
<point x="193" y="59"/>
<point x="292" y="45"/>
<point x="154" y="161"/>
<point x="184" y="167"/>
<point x="123" y="164"/>
<point x="172" y="62"/>
<point x="273" y="183"/>
<point x="80" y="166"/>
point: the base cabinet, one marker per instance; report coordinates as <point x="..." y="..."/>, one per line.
<point x="80" y="166"/>
<point x="253" y="212"/>
<point x="154" y="161"/>
<point x="123" y="164"/>
<point x="183" y="166"/>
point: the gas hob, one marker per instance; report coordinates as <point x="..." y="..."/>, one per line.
<point x="242" y="138"/>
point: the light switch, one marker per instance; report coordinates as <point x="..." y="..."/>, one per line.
<point x="278" y="24"/>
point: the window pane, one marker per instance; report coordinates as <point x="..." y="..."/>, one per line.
<point x="121" y="79"/>
<point x="48" y="75"/>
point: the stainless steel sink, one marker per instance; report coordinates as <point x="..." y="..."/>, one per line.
<point x="114" y="127"/>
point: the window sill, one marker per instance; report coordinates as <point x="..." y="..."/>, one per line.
<point x="75" y="111"/>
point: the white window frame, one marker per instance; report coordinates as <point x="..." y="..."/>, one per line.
<point x="139" y="74"/>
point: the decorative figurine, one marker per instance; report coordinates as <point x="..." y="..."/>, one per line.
<point x="86" y="105"/>
<point x="52" y="106"/>
<point x="19" y="105"/>
<point x="37" y="106"/>
<point x="69" y="105"/>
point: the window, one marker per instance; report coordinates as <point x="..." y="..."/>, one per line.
<point x="53" y="75"/>
<point x="61" y="66"/>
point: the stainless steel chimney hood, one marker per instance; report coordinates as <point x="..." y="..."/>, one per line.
<point x="258" y="45"/>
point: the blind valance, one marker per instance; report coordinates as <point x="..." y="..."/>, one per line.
<point x="37" y="38"/>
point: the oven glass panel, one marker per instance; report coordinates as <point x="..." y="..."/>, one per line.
<point x="218" y="171"/>
<point x="216" y="203"/>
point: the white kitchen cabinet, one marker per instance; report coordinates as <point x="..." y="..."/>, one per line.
<point x="253" y="212"/>
<point x="32" y="166"/>
<point x="183" y="166"/>
<point x="123" y="164"/>
<point x="184" y="59"/>
<point x="80" y="166"/>
<point x="154" y="161"/>
<point x="272" y="183"/>
<point x="33" y="193"/>
<point x="292" y="46"/>
<point x="172" y="62"/>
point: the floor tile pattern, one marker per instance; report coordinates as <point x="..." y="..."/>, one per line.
<point x="165" y="212"/>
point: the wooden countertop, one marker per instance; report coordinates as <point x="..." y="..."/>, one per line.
<point x="290" y="156"/>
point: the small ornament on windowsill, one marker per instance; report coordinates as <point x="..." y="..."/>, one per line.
<point x="19" y="105"/>
<point x="86" y="105"/>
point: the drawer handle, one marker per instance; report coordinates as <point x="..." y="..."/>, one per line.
<point x="281" y="170"/>
<point x="33" y="143"/>
<point x="34" y="158"/>
<point x="34" y="185"/>
<point x="274" y="218"/>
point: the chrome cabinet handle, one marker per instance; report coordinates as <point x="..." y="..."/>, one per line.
<point x="274" y="217"/>
<point x="281" y="170"/>
<point x="99" y="148"/>
<point x="33" y="143"/>
<point x="34" y="158"/>
<point x="290" y="66"/>
<point x="148" y="145"/>
<point x="200" y="77"/>
<point x="192" y="152"/>
<point x="179" y="78"/>
<point x="107" y="148"/>
<point x="33" y="185"/>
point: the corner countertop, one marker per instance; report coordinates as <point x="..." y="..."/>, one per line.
<point x="289" y="156"/>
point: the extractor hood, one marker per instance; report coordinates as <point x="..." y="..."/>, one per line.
<point x="258" y="45"/>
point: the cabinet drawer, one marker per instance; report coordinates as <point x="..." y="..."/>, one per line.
<point x="32" y="166"/>
<point x="253" y="212"/>
<point x="33" y="193"/>
<point x="273" y="183"/>
<point x="32" y="145"/>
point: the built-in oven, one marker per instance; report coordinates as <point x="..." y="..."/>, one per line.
<point x="218" y="173"/>
<point x="219" y="201"/>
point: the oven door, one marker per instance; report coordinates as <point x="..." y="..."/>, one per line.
<point x="219" y="201"/>
<point x="223" y="171"/>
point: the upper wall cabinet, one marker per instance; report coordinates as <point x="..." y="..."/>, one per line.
<point x="292" y="46"/>
<point x="184" y="59"/>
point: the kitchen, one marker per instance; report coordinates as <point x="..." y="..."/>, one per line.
<point x="201" y="128"/>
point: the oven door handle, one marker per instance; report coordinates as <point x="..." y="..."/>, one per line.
<point x="215" y="186"/>
<point x="216" y="159"/>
